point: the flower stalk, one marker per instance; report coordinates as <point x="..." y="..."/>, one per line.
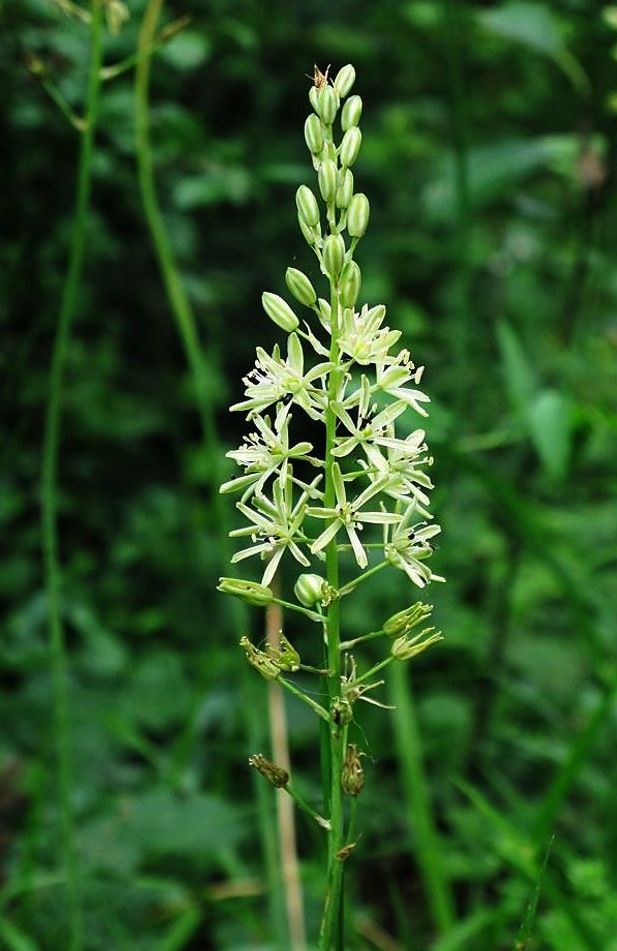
<point x="322" y="506"/>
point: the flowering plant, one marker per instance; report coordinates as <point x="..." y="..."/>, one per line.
<point x="320" y="505"/>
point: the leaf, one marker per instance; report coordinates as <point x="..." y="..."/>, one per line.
<point x="550" y="427"/>
<point x="524" y="933"/>
<point x="14" y="939"/>
<point x="519" y="375"/>
<point x="187" y="50"/>
<point x="535" y="26"/>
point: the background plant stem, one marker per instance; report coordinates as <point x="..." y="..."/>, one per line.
<point x="49" y="485"/>
<point x="187" y="329"/>
<point x="427" y="846"/>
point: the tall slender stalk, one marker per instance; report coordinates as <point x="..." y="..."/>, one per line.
<point x="428" y="847"/>
<point x="49" y="483"/>
<point x="187" y="329"/>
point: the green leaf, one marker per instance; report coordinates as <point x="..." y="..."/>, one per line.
<point x="519" y="375"/>
<point x="550" y="427"/>
<point x="14" y="939"/>
<point x="187" y="50"/>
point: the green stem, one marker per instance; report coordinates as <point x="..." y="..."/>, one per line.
<point x="347" y="645"/>
<point x="351" y="585"/>
<point x="316" y="707"/>
<point x="375" y="670"/>
<point x="49" y="484"/>
<point x="187" y="329"/>
<point x="303" y="804"/>
<point x="312" y="615"/>
<point x="428" y="846"/>
<point x="336" y="751"/>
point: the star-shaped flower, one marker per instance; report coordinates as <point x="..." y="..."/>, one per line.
<point x="407" y="547"/>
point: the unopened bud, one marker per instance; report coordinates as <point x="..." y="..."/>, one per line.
<point x="404" y="621"/>
<point x="352" y="113"/>
<point x="300" y="286"/>
<point x="345" y="78"/>
<point x="405" y="647"/>
<point x="309" y="589"/>
<point x="327" y="104"/>
<point x="327" y="177"/>
<point x="276" y="775"/>
<point x="306" y="204"/>
<point x="350" y="146"/>
<point x="313" y="134"/>
<point x="310" y="234"/>
<point x="344" y="192"/>
<point x="259" y="660"/>
<point x="279" y="311"/>
<point x="357" y="215"/>
<point x="352" y="774"/>
<point x="250" y="591"/>
<point x="285" y="655"/>
<point x="351" y="280"/>
<point x="314" y="96"/>
<point x="333" y="255"/>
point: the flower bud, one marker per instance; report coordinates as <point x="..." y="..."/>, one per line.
<point x="263" y="664"/>
<point x="351" y="279"/>
<point x="279" y="311"/>
<point x="327" y="178"/>
<point x="350" y="146"/>
<point x="309" y="589"/>
<point x="345" y="78"/>
<point x="250" y="591"/>
<point x="313" y="134"/>
<point x="276" y="775"/>
<point x="403" y="621"/>
<point x="327" y="104"/>
<point x="405" y="647"/>
<point x="306" y="204"/>
<point x="352" y="774"/>
<point x="314" y="96"/>
<point x="310" y="234"/>
<point x="357" y="215"/>
<point x="333" y="255"/>
<point x="344" y="191"/>
<point x="300" y="286"/>
<point x="352" y="113"/>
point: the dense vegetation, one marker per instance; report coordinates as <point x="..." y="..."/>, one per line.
<point x="488" y="156"/>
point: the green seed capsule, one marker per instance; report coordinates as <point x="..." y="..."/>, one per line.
<point x="306" y="204"/>
<point x="327" y="105"/>
<point x="344" y="192"/>
<point x="300" y="286"/>
<point x="352" y="112"/>
<point x="309" y="589"/>
<point x="279" y="311"/>
<point x="327" y="177"/>
<point x="350" y="146"/>
<point x="345" y="78"/>
<point x="333" y="255"/>
<point x="357" y="215"/>
<point x="313" y="134"/>
<point x="351" y="279"/>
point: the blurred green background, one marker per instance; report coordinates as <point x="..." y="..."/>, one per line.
<point x="488" y="157"/>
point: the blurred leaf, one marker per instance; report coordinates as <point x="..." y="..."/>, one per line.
<point x="14" y="939"/>
<point x="550" y="426"/>
<point x="519" y="375"/>
<point x="186" y="50"/>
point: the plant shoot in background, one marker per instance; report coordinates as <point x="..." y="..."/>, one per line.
<point x="358" y="501"/>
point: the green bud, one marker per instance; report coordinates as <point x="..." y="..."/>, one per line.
<point x="285" y="656"/>
<point x="350" y="146"/>
<point x="314" y="96"/>
<point x="259" y="660"/>
<point x="333" y="255"/>
<point x="276" y="775"/>
<point x="309" y="589"/>
<point x="403" y="621"/>
<point x="250" y="591"/>
<point x="327" y="178"/>
<point x="279" y="311"/>
<point x="351" y="279"/>
<point x="310" y="234"/>
<point x="352" y="774"/>
<point x="313" y="134"/>
<point x="300" y="286"/>
<point x="405" y="647"/>
<point x="344" y="191"/>
<point x="306" y="204"/>
<point x="345" y="78"/>
<point x="357" y="215"/>
<point x="325" y="309"/>
<point x="352" y="113"/>
<point x="327" y="104"/>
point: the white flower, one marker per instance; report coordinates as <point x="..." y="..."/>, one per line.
<point x="401" y="469"/>
<point x="362" y="337"/>
<point x="350" y="515"/>
<point x="407" y="547"/>
<point x="264" y="453"/>
<point x="369" y="431"/>
<point x="274" y="380"/>
<point x="391" y="379"/>
<point x="275" y="526"/>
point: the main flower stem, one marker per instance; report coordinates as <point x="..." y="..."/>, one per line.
<point x="329" y="925"/>
<point x="49" y="483"/>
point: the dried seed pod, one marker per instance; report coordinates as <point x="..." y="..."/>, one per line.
<point x="352" y="774"/>
<point x="276" y="775"/>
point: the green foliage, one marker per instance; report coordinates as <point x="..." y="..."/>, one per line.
<point x="492" y="238"/>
